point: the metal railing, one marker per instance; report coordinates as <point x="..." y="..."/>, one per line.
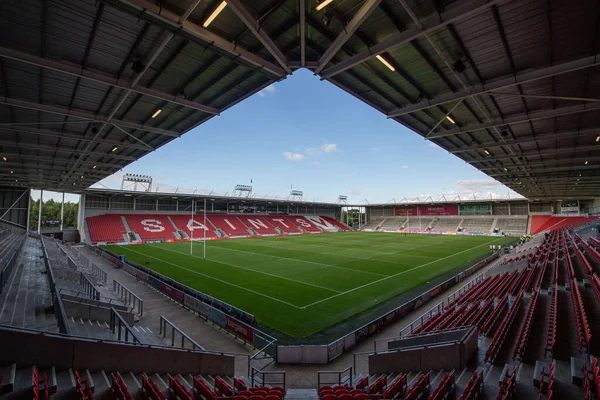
<point x="271" y="378"/>
<point x="88" y="287"/>
<point x="82" y="297"/>
<point x="340" y="377"/>
<point x="118" y="325"/>
<point x="59" y="307"/>
<point x="128" y="297"/>
<point x="99" y="273"/>
<point x="165" y="323"/>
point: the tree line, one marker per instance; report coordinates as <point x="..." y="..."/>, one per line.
<point x="51" y="214"/>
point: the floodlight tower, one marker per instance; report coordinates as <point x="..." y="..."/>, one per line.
<point x="242" y="191"/>
<point x="130" y="181"/>
<point x="296" y="195"/>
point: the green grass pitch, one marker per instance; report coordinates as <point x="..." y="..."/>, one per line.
<point x="300" y="285"/>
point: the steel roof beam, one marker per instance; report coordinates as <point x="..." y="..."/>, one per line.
<point x="85" y="115"/>
<point x="547" y="164"/>
<point x="55" y="149"/>
<point x="361" y="16"/>
<point x="465" y="9"/>
<point x="98" y="77"/>
<point x="303" y="33"/>
<point x="576" y="134"/>
<point x="521" y="118"/>
<point x="502" y="83"/>
<point x="163" y="17"/>
<point x="259" y="33"/>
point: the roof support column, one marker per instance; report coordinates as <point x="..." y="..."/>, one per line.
<point x="62" y="211"/>
<point x="39" y="228"/>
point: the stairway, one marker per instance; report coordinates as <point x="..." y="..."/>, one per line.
<point x="27" y="301"/>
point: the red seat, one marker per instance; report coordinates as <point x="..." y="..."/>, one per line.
<point x="327" y="397"/>
<point x="238" y="397"/>
<point x="345" y="396"/>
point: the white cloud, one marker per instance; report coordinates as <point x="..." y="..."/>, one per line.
<point x="316" y="163"/>
<point x="374" y="149"/>
<point x="268" y="91"/>
<point x="404" y="167"/>
<point x="293" y="156"/>
<point x="330" y="148"/>
<point x="354" y="191"/>
<point x="312" y="151"/>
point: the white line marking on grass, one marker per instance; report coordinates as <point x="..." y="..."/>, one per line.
<point x="395" y="275"/>
<point x="218" y="280"/>
<point x="250" y="269"/>
<point x="293" y="259"/>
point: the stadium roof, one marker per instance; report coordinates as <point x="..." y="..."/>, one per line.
<point x="510" y="86"/>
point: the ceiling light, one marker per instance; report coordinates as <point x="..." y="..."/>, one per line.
<point x="214" y="14"/>
<point x="114" y="149"/>
<point x="450" y="119"/>
<point x="156" y="113"/>
<point x="586" y="163"/>
<point x="4" y="158"/>
<point x="486" y="151"/>
<point x="597" y="138"/>
<point x="506" y="169"/>
<point x="386" y="63"/>
<point x="579" y="174"/>
<point x="323" y="4"/>
<point x="81" y="176"/>
<point x="577" y="179"/>
<point x="94" y="167"/>
<point x="11" y="171"/>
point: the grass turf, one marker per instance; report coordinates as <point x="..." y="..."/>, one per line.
<point x="300" y="285"/>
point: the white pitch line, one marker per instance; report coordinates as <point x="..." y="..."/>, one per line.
<point x="253" y="270"/>
<point x="293" y="259"/>
<point x="218" y="280"/>
<point x="395" y="275"/>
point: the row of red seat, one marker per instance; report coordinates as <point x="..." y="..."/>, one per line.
<point x="594" y="241"/>
<point x="523" y="337"/>
<point x="549" y="387"/>
<point x="473" y="388"/>
<point x="35" y="386"/>
<point x="84" y="389"/>
<point x="151" y="390"/>
<point x="493" y="317"/>
<point x="176" y="387"/>
<point x="346" y="392"/>
<point x="552" y="320"/>
<point x="378" y="386"/>
<point x="589" y="249"/>
<point x="591" y="385"/>
<point x="119" y="387"/>
<point x="419" y="388"/>
<point x="507" y="385"/>
<point x="502" y="331"/>
<point x="445" y="388"/>
<point x="517" y="284"/>
<point x="397" y="388"/>
<point x="584" y="334"/>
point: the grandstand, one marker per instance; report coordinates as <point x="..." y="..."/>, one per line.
<point x="424" y="310"/>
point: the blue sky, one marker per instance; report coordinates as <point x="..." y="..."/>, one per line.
<point x="310" y="134"/>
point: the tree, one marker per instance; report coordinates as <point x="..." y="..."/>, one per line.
<point x="51" y="212"/>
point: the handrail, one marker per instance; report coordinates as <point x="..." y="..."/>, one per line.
<point x="100" y="273"/>
<point x="254" y="377"/>
<point x="128" y="296"/>
<point x="89" y="287"/>
<point x="163" y="330"/>
<point x="117" y="321"/>
<point x="340" y="380"/>
<point x="63" y="324"/>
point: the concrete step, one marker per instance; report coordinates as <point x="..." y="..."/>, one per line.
<point x="301" y="394"/>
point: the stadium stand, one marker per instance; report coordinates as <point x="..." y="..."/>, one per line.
<point x="109" y="228"/>
<point x="483" y="225"/>
<point x="282" y="223"/>
<point x="106" y="228"/>
<point x="442" y="224"/>
<point x="186" y="223"/>
<point x="303" y="223"/>
<point x="512" y="226"/>
<point x="258" y="224"/>
<point x="540" y="223"/>
<point x="229" y="224"/>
